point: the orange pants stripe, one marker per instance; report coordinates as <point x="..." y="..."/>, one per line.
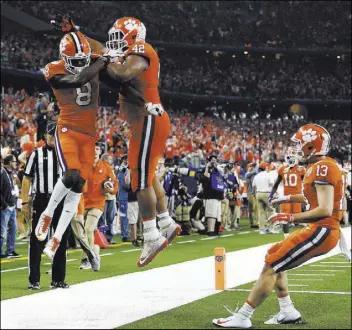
<point x="146" y="147"/>
<point x="300" y="246"/>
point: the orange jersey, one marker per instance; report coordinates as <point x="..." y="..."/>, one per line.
<point x="148" y="81"/>
<point x="78" y="106"/>
<point x="325" y="171"/>
<point x="94" y="196"/>
<point x="292" y="179"/>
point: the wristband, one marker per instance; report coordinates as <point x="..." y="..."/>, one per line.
<point x="24" y="203"/>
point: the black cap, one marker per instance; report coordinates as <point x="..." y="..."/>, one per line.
<point x="50" y="129"/>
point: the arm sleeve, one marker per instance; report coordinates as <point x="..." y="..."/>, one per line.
<point x="30" y="165"/>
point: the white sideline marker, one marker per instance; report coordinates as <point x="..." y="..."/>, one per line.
<point x="245" y="232"/>
<point x="228" y="235"/>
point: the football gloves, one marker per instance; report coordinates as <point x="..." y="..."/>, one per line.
<point x="64" y="24"/>
<point x="154" y="109"/>
<point x="281" y="219"/>
<point x="279" y="200"/>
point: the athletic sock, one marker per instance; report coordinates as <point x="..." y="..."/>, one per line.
<point x="150" y="232"/>
<point x="246" y="310"/>
<point x="286" y="304"/>
<point x="70" y="207"/>
<point x="164" y="220"/>
<point x="59" y="192"/>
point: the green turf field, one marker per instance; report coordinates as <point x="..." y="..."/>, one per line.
<point x="14" y="283"/>
<point x="319" y="310"/>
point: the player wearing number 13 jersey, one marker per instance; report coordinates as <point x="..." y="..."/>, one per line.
<point x="75" y="83"/>
<point x="323" y="196"/>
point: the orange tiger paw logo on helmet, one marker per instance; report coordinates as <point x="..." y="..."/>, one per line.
<point x="309" y="135"/>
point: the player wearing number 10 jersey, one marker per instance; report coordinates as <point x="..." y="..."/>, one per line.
<point x="75" y="83"/>
<point x="291" y="175"/>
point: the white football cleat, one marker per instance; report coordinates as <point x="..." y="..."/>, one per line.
<point x="150" y="249"/>
<point x="42" y="228"/>
<point x="51" y="247"/>
<point x="171" y="231"/>
<point x="285" y="317"/>
<point x="236" y="320"/>
<point x="85" y="264"/>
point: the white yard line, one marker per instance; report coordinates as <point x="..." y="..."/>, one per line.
<point x="334" y="262"/>
<point x="317" y="270"/>
<point x="13" y="269"/>
<point x="158" y="290"/>
<point x="208" y="238"/>
<point x="312" y="274"/>
<point x="244" y="232"/>
<point x="191" y="241"/>
<point x="326" y="266"/>
<point x="312" y="292"/>
<point x="228" y="235"/>
<point x="131" y="250"/>
<point x="306" y="279"/>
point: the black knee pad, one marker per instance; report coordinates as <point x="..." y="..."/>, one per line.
<point x="78" y="186"/>
<point x="70" y="178"/>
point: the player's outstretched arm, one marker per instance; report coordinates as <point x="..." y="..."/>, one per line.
<point x="78" y="80"/>
<point x="132" y="67"/>
<point x="274" y="189"/>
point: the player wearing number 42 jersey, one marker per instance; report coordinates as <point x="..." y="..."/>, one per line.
<point x="323" y="195"/>
<point x="75" y="83"/>
<point x="138" y="69"/>
<point x="291" y="175"/>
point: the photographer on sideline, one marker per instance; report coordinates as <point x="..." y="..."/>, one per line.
<point x="213" y="189"/>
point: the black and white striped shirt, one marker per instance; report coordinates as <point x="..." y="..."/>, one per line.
<point x="43" y="168"/>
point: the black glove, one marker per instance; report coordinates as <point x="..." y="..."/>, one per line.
<point x="63" y="24"/>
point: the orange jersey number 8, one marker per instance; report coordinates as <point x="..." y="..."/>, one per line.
<point x="84" y="94"/>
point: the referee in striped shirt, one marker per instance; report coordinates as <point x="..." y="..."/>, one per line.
<point x="41" y="173"/>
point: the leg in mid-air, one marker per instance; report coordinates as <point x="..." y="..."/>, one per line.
<point x="169" y="228"/>
<point x="146" y="147"/>
<point x="70" y="207"/>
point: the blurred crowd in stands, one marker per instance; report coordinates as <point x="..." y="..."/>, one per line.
<point x="252" y="23"/>
<point x="193" y="137"/>
<point x="288" y="77"/>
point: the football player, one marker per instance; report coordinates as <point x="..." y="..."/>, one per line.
<point x="323" y="195"/>
<point x="292" y="176"/>
<point x="137" y="70"/>
<point x="75" y="83"/>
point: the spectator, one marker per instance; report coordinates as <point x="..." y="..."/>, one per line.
<point x="41" y="116"/>
<point x="9" y="195"/>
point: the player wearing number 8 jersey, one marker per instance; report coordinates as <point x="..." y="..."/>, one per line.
<point x="322" y="194"/>
<point x="75" y="83"/>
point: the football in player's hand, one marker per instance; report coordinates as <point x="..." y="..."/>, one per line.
<point x="108" y="184"/>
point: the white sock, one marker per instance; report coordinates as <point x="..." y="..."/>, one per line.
<point x="59" y="192"/>
<point x="286" y="304"/>
<point x="246" y="310"/>
<point x="70" y="207"/>
<point x="150" y="232"/>
<point x="164" y="219"/>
